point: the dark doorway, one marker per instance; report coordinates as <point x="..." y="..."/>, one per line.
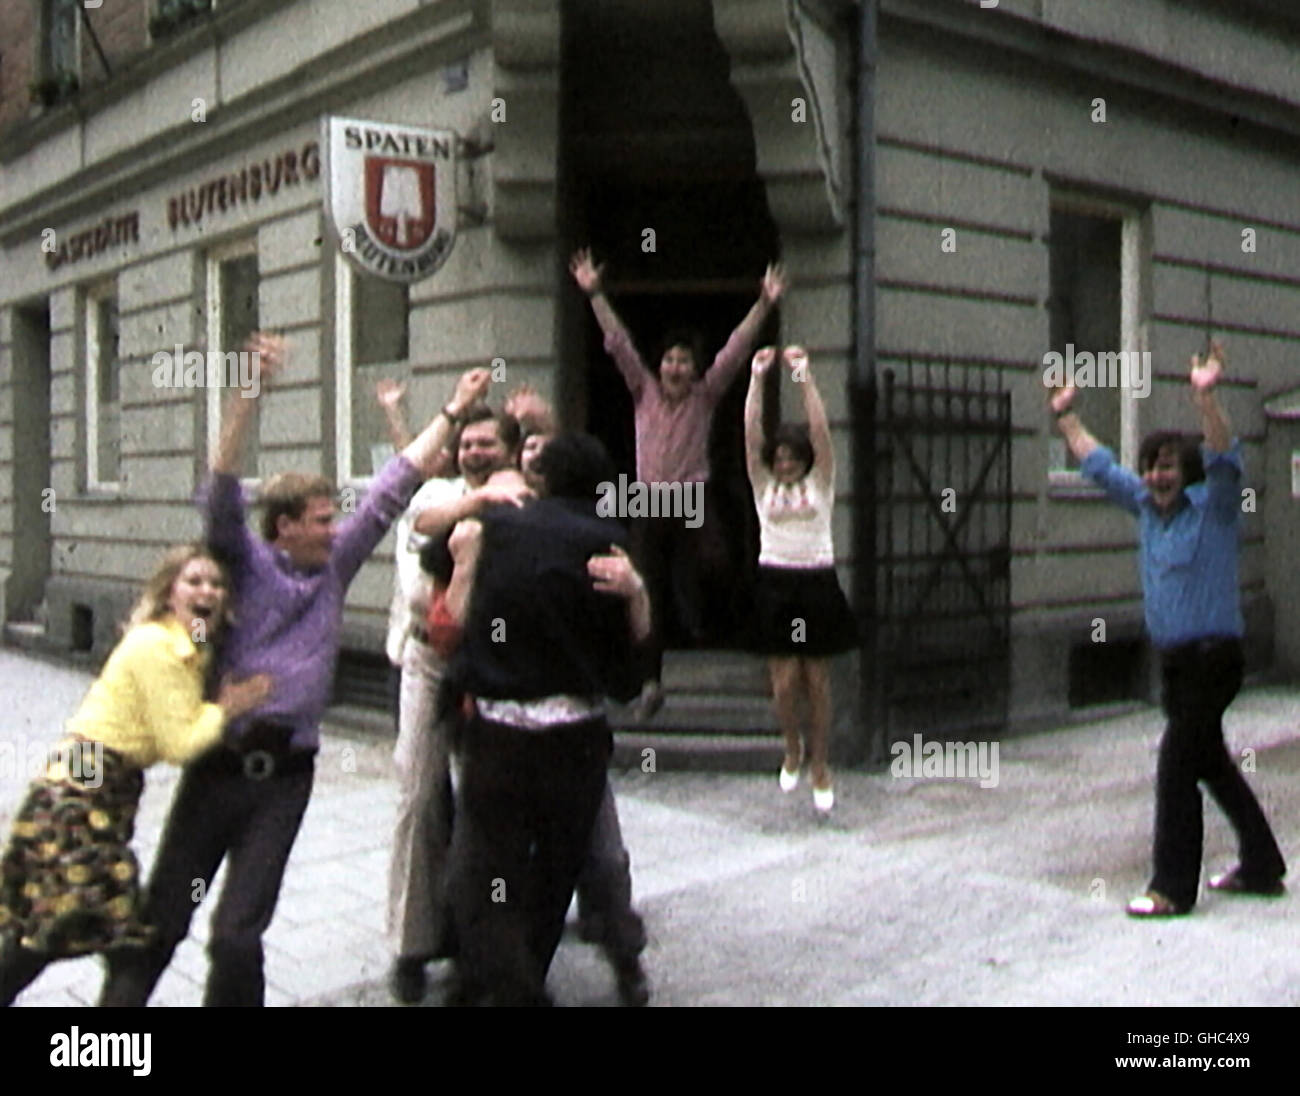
<point x="654" y="137"/>
<point x="33" y="497"/>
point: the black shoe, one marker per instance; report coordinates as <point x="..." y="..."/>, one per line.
<point x="633" y="986"/>
<point x="406" y="981"/>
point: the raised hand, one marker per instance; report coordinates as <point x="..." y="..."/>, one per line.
<point x="763" y="360"/>
<point x="389" y="393"/>
<point x="796" y="360"/>
<point x="1205" y="375"/>
<point x="774" y="283"/>
<point x="472" y="387"/>
<point x="585" y="272"/>
<point x="1060" y="400"/>
<point x="272" y="352"/>
<point x="528" y="407"/>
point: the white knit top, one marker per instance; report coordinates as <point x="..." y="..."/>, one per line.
<point x="795" y="520"/>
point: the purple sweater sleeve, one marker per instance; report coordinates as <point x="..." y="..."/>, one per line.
<point x="384" y="503"/>
<point x="222" y="502"/>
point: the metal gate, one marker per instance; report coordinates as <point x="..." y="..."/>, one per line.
<point x="943" y="580"/>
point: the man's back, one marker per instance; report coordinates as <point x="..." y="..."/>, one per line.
<point x="536" y="627"/>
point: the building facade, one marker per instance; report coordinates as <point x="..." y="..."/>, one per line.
<point x="1111" y="176"/>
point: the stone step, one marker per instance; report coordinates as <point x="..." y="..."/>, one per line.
<point x="714" y="672"/>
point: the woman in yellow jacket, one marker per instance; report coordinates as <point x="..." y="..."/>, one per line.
<point x="69" y="882"/>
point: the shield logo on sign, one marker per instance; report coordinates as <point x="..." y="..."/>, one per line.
<point x="391" y="196"/>
<point x="399" y="201"/>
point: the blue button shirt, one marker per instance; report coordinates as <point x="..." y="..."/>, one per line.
<point x="1189" y="559"/>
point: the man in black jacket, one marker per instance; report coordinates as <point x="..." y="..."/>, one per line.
<point x="554" y="610"/>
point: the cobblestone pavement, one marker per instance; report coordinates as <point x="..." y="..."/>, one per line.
<point x="915" y="891"/>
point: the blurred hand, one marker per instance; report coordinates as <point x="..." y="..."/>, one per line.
<point x="527" y="406"/>
<point x="238" y="697"/>
<point x="1061" y="400"/>
<point x="796" y="358"/>
<point x="614" y="573"/>
<point x="471" y="388"/>
<point x="513" y="494"/>
<point x="585" y="272"/>
<point x="774" y="283"/>
<point x="389" y="393"/>
<point x="763" y="360"/>
<point x="1205" y="375"/>
<point x="272" y="352"/>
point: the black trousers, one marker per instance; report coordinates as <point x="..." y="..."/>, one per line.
<point x="224" y="808"/>
<point x="686" y="575"/>
<point x="1200" y="681"/>
<point x="524" y="817"/>
<point x="19" y="968"/>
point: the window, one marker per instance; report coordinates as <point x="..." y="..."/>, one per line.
<point x="1094" y="308"/>
<point x="61" y="55"/>
<point x="233" y="285"/>
<point x="103" y="392"/>
<point x="372" y="343"/>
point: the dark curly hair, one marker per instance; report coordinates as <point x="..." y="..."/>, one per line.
<point x="574" y="465"/>
<point x="1187" y="446"/>
<point x="686" y="337"/>
<point x="796" y="436"/>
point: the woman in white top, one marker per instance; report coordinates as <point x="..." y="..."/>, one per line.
<point x="802" y="617"/>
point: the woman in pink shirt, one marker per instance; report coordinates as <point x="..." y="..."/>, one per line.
<point x="673" y="410"/>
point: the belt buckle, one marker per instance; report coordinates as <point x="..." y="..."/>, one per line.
<point x="258" y="764"/>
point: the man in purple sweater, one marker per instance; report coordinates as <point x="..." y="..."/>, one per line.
<point x="246" y="799"/>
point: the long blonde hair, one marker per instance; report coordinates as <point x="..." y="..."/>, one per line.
<point x="153" y="601"/>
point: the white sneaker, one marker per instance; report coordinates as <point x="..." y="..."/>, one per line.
<point x="789" y="780"/>
<point x="824" y="799"/>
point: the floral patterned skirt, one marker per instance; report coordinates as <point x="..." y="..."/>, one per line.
<point x="69" y="882"/>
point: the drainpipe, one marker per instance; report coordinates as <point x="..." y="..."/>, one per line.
<point x="862" y="384"/>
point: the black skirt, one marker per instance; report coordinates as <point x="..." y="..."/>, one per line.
<point x="803" y="612"/>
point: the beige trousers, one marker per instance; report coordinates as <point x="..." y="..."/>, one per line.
<point x="422" y="836"/>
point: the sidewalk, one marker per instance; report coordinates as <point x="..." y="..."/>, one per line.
<point x="915" y="891"/>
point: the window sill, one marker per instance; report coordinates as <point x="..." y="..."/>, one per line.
<point x="1066" y="483"/>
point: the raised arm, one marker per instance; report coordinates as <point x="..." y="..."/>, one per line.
<point x="754" y="414"/>
<point x="270" y="352"/>
<point x="1077" y="437"/>
<point x="424" y="449"/>
<point x="1095" y="461"/>
<point x="390" y="395"/>
<point x="1205" y="377"/>
<point x="221" y="500"/>
<point x="819" y="428"/>
<point x="730" y="358"/>
<point x="618" y="343"/>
